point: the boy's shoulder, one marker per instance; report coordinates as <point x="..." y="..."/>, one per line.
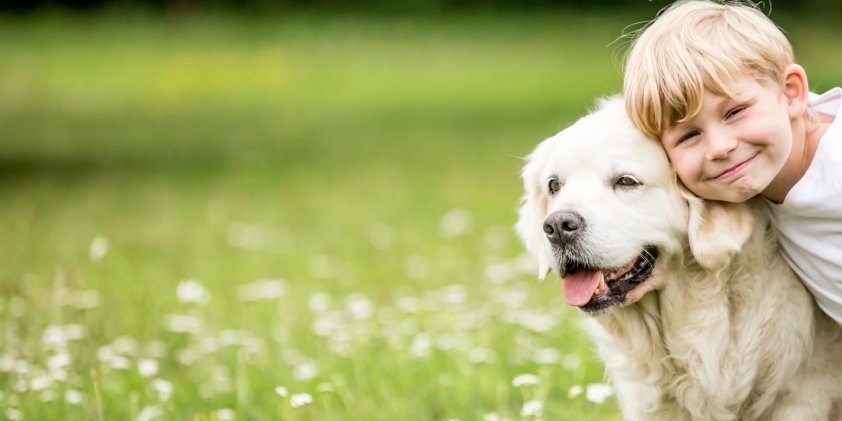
<point x="827" y="102"/>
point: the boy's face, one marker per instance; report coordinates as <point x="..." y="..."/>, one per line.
<point x="732" y="149"/>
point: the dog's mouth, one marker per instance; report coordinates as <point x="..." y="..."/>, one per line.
<point x="594" y="289"/>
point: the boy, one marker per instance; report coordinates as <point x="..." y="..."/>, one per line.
<point x="716" y="83"/>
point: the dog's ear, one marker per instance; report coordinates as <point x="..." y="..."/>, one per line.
<point x="717" y="230"/>
<point x="533" y="210"/>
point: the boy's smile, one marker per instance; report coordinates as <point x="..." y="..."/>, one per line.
<point x="732" y="149"/>
<point x="735" y="170"/>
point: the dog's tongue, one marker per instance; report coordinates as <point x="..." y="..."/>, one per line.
<point x="580" y="286"/>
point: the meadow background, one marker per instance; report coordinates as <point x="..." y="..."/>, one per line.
<point x="295" y="216"/>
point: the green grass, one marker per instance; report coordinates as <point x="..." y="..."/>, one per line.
<point x="326" y="152"/>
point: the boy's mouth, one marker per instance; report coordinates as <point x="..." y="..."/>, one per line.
<point x="732" y="171"/>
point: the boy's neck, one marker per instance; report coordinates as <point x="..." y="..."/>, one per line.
<point x="805" y="142"/>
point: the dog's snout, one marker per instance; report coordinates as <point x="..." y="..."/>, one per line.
<point x="563" y="226"/>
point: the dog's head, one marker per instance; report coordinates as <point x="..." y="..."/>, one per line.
<point x="603" y="208"/>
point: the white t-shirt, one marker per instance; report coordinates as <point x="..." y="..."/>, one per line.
<point x="809" y="221"/>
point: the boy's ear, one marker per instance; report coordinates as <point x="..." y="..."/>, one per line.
<point x="796" y="89"/>
<point x="717" y="230"/>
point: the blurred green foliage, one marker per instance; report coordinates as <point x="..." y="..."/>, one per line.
<point x="327" y="150"/>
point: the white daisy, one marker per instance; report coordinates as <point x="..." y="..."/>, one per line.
<point x="192" y="291"/>
<point x="99" y="248"/>
<point x="300" y="399"/>
<point x="526" y="379"/>
<point x="598" y="392"/>
<point x="533" y="408"/>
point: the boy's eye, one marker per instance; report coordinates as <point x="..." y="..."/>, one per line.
<point x="687" y="136"/>
<point x="734" y="111"/>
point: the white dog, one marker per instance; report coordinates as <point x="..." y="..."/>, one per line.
<point x="694" y="313"/>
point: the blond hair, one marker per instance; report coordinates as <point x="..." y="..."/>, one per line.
<point x="696" y="45"/>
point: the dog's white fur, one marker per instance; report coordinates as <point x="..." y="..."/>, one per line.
<point x="722" y="330"/>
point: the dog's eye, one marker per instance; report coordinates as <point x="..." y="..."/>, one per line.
<point x="553" y="185"/>
<point x="626" y="181"/>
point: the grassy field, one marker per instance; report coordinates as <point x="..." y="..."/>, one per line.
<point x="216" y="218"/>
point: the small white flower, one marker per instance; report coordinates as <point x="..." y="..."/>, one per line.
<point x="359" y="306"/>
<point x="300" y="399"/>
<point x="574" y="391"/>
<point x="448" y="341"/>
<point x="319" y="302"/>
<point x="147" y="367"/>
<point x="533" y="408"/>
<point x="598" y="392"/>
<point x="21" y="366"/>
<point x="546" y="356"/>
<point x="281" y="391"/>
<point x="535" y="321"/>
<point x="455" y="223"/>
<point x="13" y="414"/>
<point x="491" y="417"/>
<point x="125" y="345"/>
<point x="99" y="248"/>
<point x="225" y="414"/>
<point x="262" y="290"/>
<point x="482" y="355"/>
<point x="184" y="324"/>
<point x="84" y="300"/>
<point x="40" y="383"/>
<point x="73" y="397"/>
<point x="58" y="361"/>
<point x="305" y="371"/>
<point x="420" y="346"/>
<point x="21" y="386"/>
<point x="56" y="336"/>
<point x="164" y="389"/>
<point x="120" y="363"/>
<point x="498" y="273"/>
<point x="59" y="374"/>
<point x="7" y="363"/>
<point x="454" y="294"/>
<point x="105" y="353"/>
<point x="525" y="380"/>
<point x="192" y="291"/>
<point x="149" y="413"/>
<point x="187" y="356"/>
<point x="571" y="362"/>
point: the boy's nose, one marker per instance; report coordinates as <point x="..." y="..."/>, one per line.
<point x="720" y="146"/>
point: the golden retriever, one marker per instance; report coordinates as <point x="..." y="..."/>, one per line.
<point x="694" y="313"/>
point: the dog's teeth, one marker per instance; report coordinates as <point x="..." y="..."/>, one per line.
<point x="601" y="287"/>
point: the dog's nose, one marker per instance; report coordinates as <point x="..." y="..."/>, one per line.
<point x="563" y="226"/>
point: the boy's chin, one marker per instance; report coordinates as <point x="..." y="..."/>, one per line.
<point x="739" y="191"/>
